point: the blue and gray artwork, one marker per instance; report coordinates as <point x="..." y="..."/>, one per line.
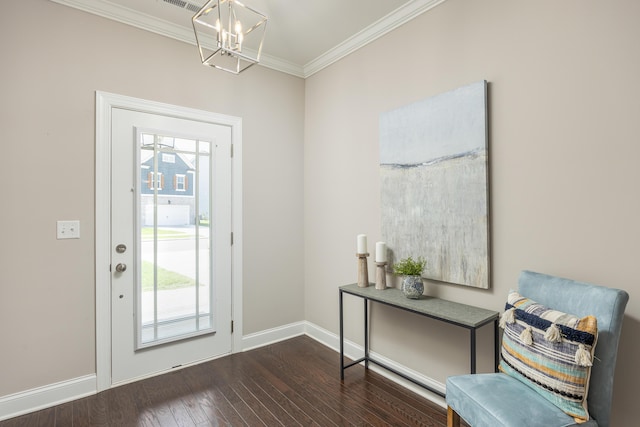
<point x="434" y="187"/>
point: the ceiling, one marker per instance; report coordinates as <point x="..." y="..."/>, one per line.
<point x="302" y="37"/>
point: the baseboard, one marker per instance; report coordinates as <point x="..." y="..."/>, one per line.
<point x="436" y="385"/>
<point x="55" y="394"/>
<point x="271" y="336"/>
<point x="47" y="396"/>
<point x="331" y="340"/>
<point x="355" y="351"/>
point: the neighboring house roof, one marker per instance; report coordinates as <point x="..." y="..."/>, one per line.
<point x="146" y="155"/>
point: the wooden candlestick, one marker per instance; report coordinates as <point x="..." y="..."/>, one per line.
<point x="363" y="272"/>
<point x="381" y="275"/>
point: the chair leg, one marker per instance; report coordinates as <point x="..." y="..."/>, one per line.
<point x="453" y="419"/>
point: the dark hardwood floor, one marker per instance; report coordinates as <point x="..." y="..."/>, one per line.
<point x="291" y="383"/>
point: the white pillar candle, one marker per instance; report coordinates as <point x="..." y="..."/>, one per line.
<point x="362" y="243"/>
<point x="381" y="252"/>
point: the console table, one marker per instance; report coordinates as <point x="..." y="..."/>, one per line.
<point x="465" y="316"/>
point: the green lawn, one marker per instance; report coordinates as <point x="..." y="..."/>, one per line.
<point x="166" y="279"/>
<point x="147" y="233"/>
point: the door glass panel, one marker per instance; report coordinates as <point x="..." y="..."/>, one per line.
<point x="175" y="291"/>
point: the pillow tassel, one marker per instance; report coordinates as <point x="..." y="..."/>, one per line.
<point x="508" y="316"/>
<point x="553" y="334"/>
<point x="527" y="337"/>
<point x="583" y="358"/>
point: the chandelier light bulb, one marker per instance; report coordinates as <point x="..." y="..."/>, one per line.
<point x="240" y="39"/>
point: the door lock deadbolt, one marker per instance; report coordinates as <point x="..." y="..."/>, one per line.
<point x="121" y="248"/>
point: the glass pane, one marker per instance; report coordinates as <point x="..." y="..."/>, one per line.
<point x="188" y="145"/>
<point x="165" y="141"/>
<point x="204" y="147"/>
<point x="147" y="139"/>
<point x="204" y="242"/>
<point x="175" y="296"/>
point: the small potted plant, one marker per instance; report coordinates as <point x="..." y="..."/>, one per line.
<point x="412" y="286"/>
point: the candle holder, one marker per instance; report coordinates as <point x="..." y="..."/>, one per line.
<point x="363" y="272"/>
<point x="381" y="275"/>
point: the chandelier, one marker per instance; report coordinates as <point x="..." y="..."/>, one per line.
<point x="229" y="35"/>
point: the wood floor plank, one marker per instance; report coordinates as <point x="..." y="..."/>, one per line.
<point x="214" y="417"/>
<point x="286" y="409"/>
<point x="81" y="412"/>
<point x="217" y="410"/>
<point x="19" y="421"/>
<point x="270" y="405"/>
<point x="315" y="413"/>
<point x="405" y="406"/>
<point x="409" y="399"/>
<point x="122" y="410"/>
<point x="98" y="409"/>
<point x="229" y="412"/>
<point x="191" y="403"/>
<point x="307" y="382"/>
<point x="63" y="415"/>
<point x="303" y="399"/>
<point x="408" y="405"/>
<point x="156" y="390"/>
<point x="145" y="413"/>
<point x="322" y="381"/>
<point x="244" y="410"/>
<point x="185" y="410"/>
<point x="379" y="399"/>
<point x="290" y="383"/>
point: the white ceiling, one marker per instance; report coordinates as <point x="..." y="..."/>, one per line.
<point x="302" y="37"/>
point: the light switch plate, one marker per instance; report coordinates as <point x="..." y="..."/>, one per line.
<point x="68" y="229"/>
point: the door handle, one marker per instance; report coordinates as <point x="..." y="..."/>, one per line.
<point x="121" y="267"/>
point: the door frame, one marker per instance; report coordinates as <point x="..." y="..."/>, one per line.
<point x="105" y="102"/>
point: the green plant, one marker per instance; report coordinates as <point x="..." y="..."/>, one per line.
<point x="409" y="266"/>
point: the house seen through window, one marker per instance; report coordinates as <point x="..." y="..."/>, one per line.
<point x="175" y="292"/>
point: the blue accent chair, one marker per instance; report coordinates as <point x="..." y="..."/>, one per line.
<point x="497" y="399"/>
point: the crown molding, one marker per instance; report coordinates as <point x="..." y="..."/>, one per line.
<point x="376" y="30"/>
<point x="281" y="65"/>
<point x="128" y="16"/>
<point x="125" y="15"/>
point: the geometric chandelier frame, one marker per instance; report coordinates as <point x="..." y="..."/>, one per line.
<point x="229" y="35"/>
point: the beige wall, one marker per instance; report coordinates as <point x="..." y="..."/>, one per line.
<point x="563" y="147"/>
<point x="54" y="58"/>
<point x="563" y="105"/>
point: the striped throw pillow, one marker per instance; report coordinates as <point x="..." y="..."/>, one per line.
<point x="550" y="351"/>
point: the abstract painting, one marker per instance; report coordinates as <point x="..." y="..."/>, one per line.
<point x="434" y="184"/>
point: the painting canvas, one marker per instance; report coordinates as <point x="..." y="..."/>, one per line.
<point x="434" y="184"/>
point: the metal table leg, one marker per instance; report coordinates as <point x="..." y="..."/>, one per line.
<point x="341" y="340"/>
<point x="496" y="341"/>
<point x="366" y="333"/>
<point x="473" y="350"/>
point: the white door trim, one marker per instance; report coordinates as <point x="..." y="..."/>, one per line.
<point x="104" y="104"/>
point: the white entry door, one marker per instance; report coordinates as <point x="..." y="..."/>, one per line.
<point x="170" y="243"/>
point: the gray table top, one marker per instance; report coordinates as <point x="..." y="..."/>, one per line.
<point x="449" y="311"/>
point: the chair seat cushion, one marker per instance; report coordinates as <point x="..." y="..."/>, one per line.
<point x="495" y="400"/>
